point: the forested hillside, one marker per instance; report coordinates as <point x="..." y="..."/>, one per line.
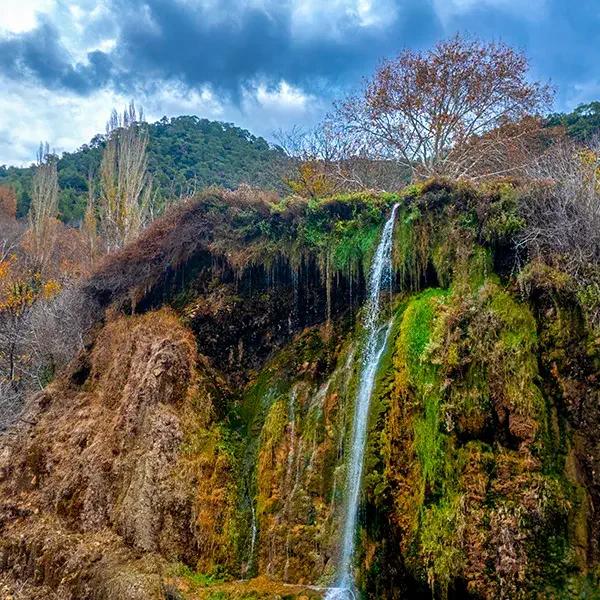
<point x="581" y="124"/>
<point x="185" y="154"/>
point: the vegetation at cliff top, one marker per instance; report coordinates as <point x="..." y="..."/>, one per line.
<point x="581" y="124"/>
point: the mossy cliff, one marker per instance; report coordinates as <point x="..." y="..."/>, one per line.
<point x="201" y="438"/>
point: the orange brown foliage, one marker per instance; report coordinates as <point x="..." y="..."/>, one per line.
<point x="8" y="202"/>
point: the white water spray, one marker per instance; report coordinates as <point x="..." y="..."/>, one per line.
<point x="380" y="275"/>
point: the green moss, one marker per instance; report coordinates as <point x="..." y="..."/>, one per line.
<point x="415" y="335"/>
<point x="268" y="467"/>
<point x="353" y="246"/>
<point x="410" y="246"/>
<point x="479" y="268"/>
<point x="502" y="220"/>
<point x="343" y="230"/>
<point x="518" y="327"/>
<point x="430" y="442"/>
<point x="274" y="426"/>
<point x="463" y="360"/>
<point x="441" y="531"/>
<point x="375" y="483"/>
<point x="412" y="191"/>
<point x="581" y="586"/>
<point x="218" y="596"/>
<point x="197" y="579"/>
<point x="423" y="376"/>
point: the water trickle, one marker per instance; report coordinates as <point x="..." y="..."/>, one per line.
<point x="379" y="277"/>
<point x="253" y="538"/>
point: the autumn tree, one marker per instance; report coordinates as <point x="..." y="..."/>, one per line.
<point x="19" y="290"/>
<point x="43" y="315"/>
<point x="447" y="111"/>
<point x="310" y="156"/>
<point x="89" y="224"/>
<point x="125" y="185"/>
<point x="43" y="211"/>
<point x="10" y="229"/>
<point x="8" y="202"/>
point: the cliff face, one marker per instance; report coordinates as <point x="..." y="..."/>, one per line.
<point x="204" y="438"/>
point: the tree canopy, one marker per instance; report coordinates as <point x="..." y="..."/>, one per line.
<point x="580" y="124"/>
<point x="458" y="110"/>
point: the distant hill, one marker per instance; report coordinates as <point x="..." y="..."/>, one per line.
<point x="581" y="124"/>
<point x="184" y="154"/>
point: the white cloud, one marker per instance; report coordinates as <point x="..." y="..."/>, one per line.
<point x="176" y="99"/>
<point x="578" y="93"/>
<point x="318" y="17"/>
<point x="308" y="17"/>
<point x="267" y="109"/>
<point x="283" y="97"/>
<point x="30" y="114"/>
<point x="19" y="16"/>
<point x="448" y="9"/>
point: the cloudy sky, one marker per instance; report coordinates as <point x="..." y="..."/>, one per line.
<point x="262" y="64"/>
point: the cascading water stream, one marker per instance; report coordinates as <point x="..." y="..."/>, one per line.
<point x="380" y="275"/>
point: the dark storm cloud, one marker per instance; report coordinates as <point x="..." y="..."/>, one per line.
<point x="39" y="55"/>
<point x="562" y="40"/>
<point x="184" y="43"/>
<point x="230" y="44"/>
<point x="170" y="40"/>
<point x="174" y="40"/>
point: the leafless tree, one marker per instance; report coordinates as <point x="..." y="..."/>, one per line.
<point x="55" y="332"/>
<point x="310" y="155"/>
<point x="445" y="111"/>
<point x="125" y="185"/>
<point x="11" y="230"/>
<point x="563" y="215"/>
<point x="44" y="207"/>
<point x="324" y="160"/>
<point x="89" y="224"/>
<point x="39" y="341"/>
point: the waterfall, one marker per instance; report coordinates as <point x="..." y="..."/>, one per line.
<point x="380" y="275"/>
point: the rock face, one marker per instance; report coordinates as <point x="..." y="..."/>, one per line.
<point x="205" y="437"/>
<point x="90" y="478"/>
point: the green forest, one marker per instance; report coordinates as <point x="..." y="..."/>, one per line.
<point x="185" y="154"/>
